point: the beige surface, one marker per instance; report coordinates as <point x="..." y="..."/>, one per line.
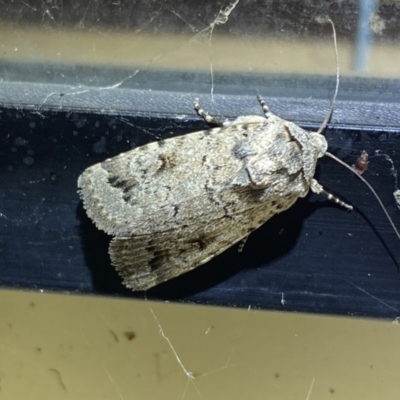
<point x="77" y="347"/>
<point x="145" y="51"/>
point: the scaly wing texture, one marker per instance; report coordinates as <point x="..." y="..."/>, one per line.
<point x="159" y="186"/>
<point x="148" y="260"/>
<point x="185" y="180"/>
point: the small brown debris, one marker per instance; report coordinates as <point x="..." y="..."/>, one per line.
<point x="130" y="335"/>
<point x="362" y="162"/>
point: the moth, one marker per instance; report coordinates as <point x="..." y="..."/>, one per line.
<point x="174" y="205"/>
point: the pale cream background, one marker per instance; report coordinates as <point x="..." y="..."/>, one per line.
<point x="81" y="347"/>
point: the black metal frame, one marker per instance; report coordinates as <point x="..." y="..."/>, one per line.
<point x="315" y="257"/>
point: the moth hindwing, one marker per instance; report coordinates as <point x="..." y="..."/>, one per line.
<point x="175" y="206"/>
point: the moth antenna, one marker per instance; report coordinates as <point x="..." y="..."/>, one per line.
<point x="369" y="186"/>
<point x="328" y="117"/>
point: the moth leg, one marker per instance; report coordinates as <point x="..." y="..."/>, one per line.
<point x="317" y="188"/>
<point x="264" y="107"/>
<point x="205" y="115"/>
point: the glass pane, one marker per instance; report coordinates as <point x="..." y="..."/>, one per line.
<point x="214" y="47"/>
